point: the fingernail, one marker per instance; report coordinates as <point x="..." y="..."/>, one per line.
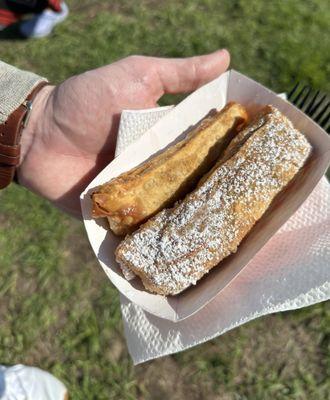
<point x="224" y="50"/>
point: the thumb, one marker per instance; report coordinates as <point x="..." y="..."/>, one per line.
<point x="181" y="75"/>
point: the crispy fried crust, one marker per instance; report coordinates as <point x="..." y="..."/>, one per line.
<point x="136" y="195"/>
<point x="175" y="248"/>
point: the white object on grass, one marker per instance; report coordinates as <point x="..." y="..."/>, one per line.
<point x="29" y="383"/>
<point x="42" y="24"/>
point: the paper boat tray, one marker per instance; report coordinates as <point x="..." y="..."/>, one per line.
<point x="231" y="86"/>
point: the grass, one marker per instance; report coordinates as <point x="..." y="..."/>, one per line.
<point x="59" y="311"/>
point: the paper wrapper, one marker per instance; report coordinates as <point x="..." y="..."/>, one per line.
<point x="231" y="86"/>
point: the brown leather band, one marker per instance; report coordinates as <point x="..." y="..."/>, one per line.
<point x="10" y="136"/>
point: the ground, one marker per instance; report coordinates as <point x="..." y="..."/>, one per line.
<point x="58" y="310"/>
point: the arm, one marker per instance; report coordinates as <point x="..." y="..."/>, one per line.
<point x="72" y="131"/>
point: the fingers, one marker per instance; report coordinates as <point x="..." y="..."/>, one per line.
<point x="183" y="75"/>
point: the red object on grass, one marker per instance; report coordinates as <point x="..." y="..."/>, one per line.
<point x="8" y="15"/>
<point x="55" y="4"/>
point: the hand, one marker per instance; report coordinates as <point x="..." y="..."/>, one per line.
<point x="71" y="134"/>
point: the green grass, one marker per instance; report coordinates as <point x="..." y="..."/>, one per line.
<point x="59" y="311"/>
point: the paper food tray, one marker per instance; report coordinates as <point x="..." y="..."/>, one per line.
<point x="231" y="86"/>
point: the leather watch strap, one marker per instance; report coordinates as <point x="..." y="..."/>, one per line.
<point x="10" y="136"/>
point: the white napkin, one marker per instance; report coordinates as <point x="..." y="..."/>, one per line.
<point x="290" y="272"/>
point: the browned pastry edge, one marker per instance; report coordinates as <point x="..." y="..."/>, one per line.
<point x="133" y="211"/>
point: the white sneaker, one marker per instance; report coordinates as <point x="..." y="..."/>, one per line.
<point x="42" y="24"/>
<point x="28" y="383"/>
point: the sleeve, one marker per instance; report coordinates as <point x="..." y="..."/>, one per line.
<point x="15" y="86"/>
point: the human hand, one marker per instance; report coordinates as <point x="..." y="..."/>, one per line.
<point x="71" y="134"/>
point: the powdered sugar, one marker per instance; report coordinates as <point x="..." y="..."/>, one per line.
<point x="179" y="245"/>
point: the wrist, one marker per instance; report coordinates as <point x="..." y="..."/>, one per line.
<point x="36" y="121"/>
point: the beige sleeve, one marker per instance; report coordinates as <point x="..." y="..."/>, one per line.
<point x="15" y="86"/>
